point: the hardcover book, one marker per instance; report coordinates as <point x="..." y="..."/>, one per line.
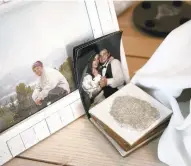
<point x="126" y="115"/>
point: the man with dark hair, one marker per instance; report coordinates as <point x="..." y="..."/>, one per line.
<point x="112" y="73"/>
<point x="51" y="84"/>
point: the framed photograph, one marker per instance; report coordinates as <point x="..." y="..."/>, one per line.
<point x="39" y="94"/>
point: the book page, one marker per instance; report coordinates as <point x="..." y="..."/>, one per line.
<point x="102" y="112"/>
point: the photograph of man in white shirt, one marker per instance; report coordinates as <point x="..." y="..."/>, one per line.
<point x="51" y="84"/>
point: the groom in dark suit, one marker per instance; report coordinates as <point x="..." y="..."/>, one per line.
<point x="112" y="74"/>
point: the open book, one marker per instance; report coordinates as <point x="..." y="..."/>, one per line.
<point x="124" y="113"/>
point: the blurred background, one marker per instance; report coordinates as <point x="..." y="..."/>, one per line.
<point x="145" y="25"/>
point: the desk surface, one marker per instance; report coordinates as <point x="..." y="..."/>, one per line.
<point x="136" y="43"/>
<point x="81" y="144"/>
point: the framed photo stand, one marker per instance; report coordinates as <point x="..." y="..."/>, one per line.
<point x="38" y="36"/>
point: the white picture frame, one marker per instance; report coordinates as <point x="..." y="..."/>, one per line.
<point x="42" y="124"/>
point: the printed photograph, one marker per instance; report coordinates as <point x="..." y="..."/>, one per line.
<point x="51" y="84"/>
<point x="36" y="56"/>
<point x="43" y="85"/>
<point x="102" y="76"/>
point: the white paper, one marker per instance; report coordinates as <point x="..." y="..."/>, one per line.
<point x="165" y="75"/>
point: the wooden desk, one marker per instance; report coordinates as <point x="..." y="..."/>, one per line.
<point x="134" y="64"/>
<point x="136" y="43"/>
<point x="81" y="144"/>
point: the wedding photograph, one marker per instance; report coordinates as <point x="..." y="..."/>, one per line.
<point x="102" y="76"/>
